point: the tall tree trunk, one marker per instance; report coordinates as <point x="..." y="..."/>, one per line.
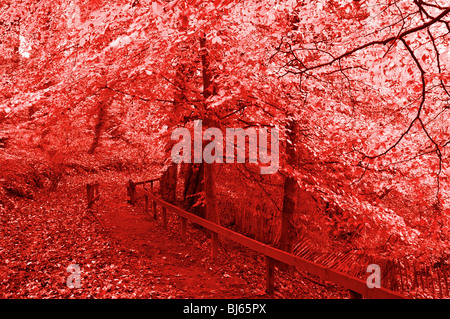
<point x="193" y="185"/>
<point x="290" y="193"/>
<point x="206" y="72"/>
<point x="210" y="193"/>
<point x="208" y="177"/>
<point x="101" y="118"/>
<point x="169" y="183"/>
<point x="169" y="178"/>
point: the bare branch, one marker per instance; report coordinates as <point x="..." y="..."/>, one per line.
<point x="380" y="42"/>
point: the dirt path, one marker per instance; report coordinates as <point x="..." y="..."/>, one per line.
<point x="188" y="269"/>
<point x="124" y="253"/>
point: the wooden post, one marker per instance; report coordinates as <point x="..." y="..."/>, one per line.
<point x="183" y="229"/>
<point x="270" y="272"/>
<point x="89" y="195"/>
<point x="164" y="217"/>
<point x="133" y="192"/>
<point x="96" y="188"/>
<point x="153" y="202"/>
<point x="214" y="244"/>
<point x="355" y="295"/>
<point x="154" y="209"/>
<point x="146" y="203"/>
<point x="97" y="192"/>
<point x="132" y="187"/>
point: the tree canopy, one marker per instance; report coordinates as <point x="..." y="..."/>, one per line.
<point x="360" y="90"/>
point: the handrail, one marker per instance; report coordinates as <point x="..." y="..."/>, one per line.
<point x="148" y="181"/>
<point x="131" y="189"/>
<point x="356" y="286"/>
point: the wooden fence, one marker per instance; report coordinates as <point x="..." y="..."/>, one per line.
<point x="400" y="274"/>
<point x="341" y="268"/>
<point x="358" y="288"/>
<point x="131" y="189"/>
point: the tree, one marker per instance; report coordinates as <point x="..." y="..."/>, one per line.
<point x="358" y="89"/>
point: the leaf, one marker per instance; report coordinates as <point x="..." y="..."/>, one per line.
<point x="158" y="9"/>
<point x="217" y="40"/>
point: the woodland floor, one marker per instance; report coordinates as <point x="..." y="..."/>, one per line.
<point x="124" y="253"/>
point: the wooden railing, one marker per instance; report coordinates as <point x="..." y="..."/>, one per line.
<point x="92" y="193"/>
<point x="358" y="288"/>
<point x="131" y="189"/>
<point x="399" y="274"/>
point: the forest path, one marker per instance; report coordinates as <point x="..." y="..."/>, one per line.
<point x="124" y="253"/>
<point x="187" y="266"/>
<point x="189" y="270"/>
